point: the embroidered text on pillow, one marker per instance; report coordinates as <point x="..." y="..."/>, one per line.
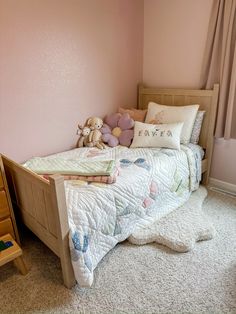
<point x="155" y="133"/>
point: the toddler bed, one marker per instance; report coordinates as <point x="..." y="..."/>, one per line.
<point x="91" y="218"/>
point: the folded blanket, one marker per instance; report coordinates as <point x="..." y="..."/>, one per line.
<point x="72" y="167"/>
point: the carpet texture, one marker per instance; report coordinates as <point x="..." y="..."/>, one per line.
<point x="181" y="229"/>
<point x="135" y="279"/>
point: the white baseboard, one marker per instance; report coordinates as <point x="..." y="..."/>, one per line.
<point x="222" y="186"/>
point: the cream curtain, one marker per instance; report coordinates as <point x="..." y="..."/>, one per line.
<point x="219" y="64"/>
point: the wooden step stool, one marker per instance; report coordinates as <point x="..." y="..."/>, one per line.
<point x="13" y="253"/>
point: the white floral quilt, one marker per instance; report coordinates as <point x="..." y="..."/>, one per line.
<point x="152" y="182"/>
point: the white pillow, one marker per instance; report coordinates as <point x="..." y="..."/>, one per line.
<point x="171" y="114"/>
<point x="157" y="135"/>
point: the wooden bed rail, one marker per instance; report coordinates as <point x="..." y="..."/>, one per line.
<point x="42" y="207"/>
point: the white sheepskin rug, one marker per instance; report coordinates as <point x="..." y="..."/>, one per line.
<point x="181" y="229"/>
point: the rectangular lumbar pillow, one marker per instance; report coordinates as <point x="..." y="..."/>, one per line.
<point x="157" y="135"/>
<point x="159" y="114"/>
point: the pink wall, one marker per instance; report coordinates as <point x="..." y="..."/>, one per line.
<point x="60" y="62"/>
<point x="223" y="164"/>
<point x="175" y="33"/>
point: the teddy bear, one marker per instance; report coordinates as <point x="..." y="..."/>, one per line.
<point x="84" y="136"/>
<point x="95" y="136"/>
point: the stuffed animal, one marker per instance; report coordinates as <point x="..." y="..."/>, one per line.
<point x="84" y="136"/>
<point x="95" y="136"/>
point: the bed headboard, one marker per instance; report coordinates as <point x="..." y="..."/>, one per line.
<point x="206" y="99"/>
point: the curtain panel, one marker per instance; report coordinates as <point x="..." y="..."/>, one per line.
<point x="219" y="64"/>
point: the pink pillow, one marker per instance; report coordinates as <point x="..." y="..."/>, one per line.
<point x="135" y="114"/>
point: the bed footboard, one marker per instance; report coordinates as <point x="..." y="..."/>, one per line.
<point x="42" y="207"/>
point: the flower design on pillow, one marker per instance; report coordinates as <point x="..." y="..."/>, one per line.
<point x="118" y="129"/>
<point x="158" y="118"/>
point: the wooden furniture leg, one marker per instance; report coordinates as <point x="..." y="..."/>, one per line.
<point x="12" y="253"/>
<point x="20" y="265"/>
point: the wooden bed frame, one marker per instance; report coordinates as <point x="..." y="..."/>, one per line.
<point x="42" y="204"/>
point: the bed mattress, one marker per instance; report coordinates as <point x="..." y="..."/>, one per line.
<point x="152" y="183"/>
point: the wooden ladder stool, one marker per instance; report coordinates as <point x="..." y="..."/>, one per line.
<point x="12" y="253"/>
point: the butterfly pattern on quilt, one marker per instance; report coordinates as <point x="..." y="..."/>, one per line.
<point x="122" y="211"/>
<point x="94" y="153"/>
<point x="140" y="162"/>
<point x="80" y="250"/>
<point x="153" y="192"/>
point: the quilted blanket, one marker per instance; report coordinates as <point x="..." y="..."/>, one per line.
<point x="152" y="183"/>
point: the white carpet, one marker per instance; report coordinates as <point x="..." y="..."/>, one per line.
<point x="135" y="279"/>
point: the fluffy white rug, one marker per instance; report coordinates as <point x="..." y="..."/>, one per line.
<point x="181" y="229"/>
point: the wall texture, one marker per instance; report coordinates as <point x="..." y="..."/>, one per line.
<point x="60" y="62"/>
<point x="224" y="156"/>
<point x="175" y="33"/>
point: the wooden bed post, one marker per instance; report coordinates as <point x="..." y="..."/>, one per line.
<point x="59" y="203"/>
